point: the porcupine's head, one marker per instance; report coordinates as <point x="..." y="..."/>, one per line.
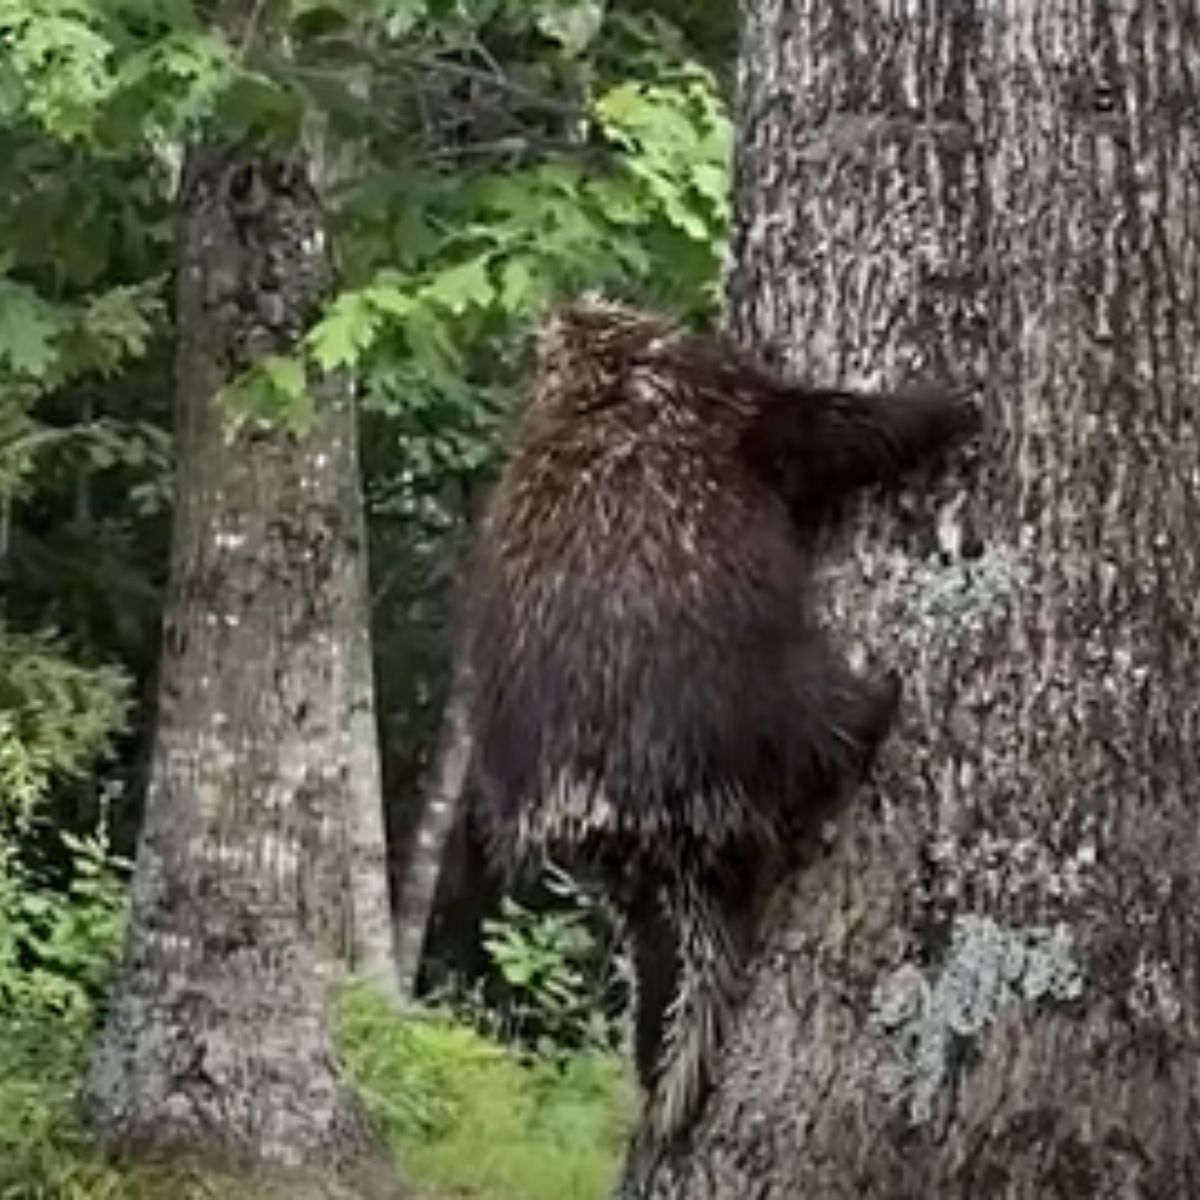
<point x="585" y="352"/>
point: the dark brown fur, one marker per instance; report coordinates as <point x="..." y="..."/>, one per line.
<point x="654" y="697"/>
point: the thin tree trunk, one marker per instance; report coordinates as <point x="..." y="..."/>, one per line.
<point x="372" y="932"/>
<point x="990" y="986"/>
<point x="428" y="845"/>
<point x="220" y="1039"/>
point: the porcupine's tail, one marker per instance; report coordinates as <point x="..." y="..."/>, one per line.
<point x="714" y="928"/>
<point x="691" y="939"/>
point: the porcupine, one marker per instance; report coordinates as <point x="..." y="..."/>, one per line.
<point x="653" y="699"/>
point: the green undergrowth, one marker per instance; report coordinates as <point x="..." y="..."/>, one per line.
<point x="471" y="1118"/>
<point x="468" y="1119"/>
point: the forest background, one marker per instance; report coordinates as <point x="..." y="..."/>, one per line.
<point x="501" y="154"/>
<point x="230" y="233"/>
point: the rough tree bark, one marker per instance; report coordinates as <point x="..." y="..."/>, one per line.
<point x="989" y="986"/>
<point x="219" y="1043"/>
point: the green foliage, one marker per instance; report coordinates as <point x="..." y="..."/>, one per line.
<point x="406" y="1070"/>
<point x="469" y="1117"/>
<point x="168" y="85"/>
<point x="58" y="930"/>
<point x="60" y="926"/>
<point x="465" y="1116"/>
<point x="490" y="254"/>
<point x="537" y="953"/>
<point x="593" y="180"/>
<point x="42" y="1155"/>
<point x="677" y="142"/>
<point x="45" y="346"/>
<point x="505" y="153"/>
<point x="55" y="717"/>
<point x="28" y="329"/>
<point x="558" y="973"/>
<point x="573" y="24"/>
<point x="531" y="1133"/>
<point x="59" y="59"/>
<point x="58" y="943"/>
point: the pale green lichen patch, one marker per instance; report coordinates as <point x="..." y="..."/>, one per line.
<point x="987" y="970"/>
<point x="954" y="600"/>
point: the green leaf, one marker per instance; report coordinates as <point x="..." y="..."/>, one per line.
<point x="519" y="285"/>
<point x="274" y="390"/>
<point x="711" y="179"/>
<point x="113" y="327"/>
<point x="574" y="25"/>
<point x="388" y="298"/>
<point x="28" y="327"/>
<point x="285" y="374"/>
<point x="400" y="17"/>
<point x="61" y="60"/>
<point x="461" y="287"/>
<point x="259" y="103"/>
<point x="171" y="84"/>
<point x="341" y="337"/>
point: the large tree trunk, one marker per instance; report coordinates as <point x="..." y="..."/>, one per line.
<point x="990" y="985"/>
<point x="220" y="1040"/>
